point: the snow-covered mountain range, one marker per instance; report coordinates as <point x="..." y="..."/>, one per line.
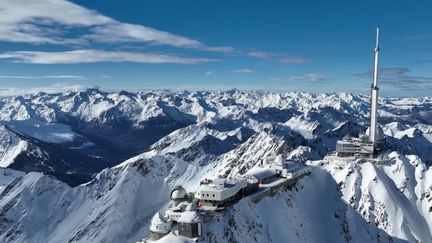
<point x="109" y="160"/>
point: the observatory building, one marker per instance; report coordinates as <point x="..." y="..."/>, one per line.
<point x="182" y="218"/>
<point x="366" y="145"/>
<point x="278" y="166"/>
<point x="219" y="191"/>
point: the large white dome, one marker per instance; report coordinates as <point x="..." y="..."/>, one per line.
<point x="178" y="193"/>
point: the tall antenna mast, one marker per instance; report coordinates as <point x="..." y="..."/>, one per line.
<point x="374" y="95"/>
<point x="376" y="50"/>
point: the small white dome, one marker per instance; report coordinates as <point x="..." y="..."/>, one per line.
<point x="191" y="207"/>
<point x="178" y="193"/>
<point x="160" y="224"/>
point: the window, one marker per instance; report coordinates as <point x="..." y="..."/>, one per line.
<point x="213" y="195"/>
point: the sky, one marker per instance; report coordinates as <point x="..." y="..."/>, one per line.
<point x="312" y="46"/>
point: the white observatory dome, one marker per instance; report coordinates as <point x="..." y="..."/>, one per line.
<point x="178" y="193"/>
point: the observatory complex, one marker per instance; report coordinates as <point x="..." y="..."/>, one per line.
<point x="187" y="214"/>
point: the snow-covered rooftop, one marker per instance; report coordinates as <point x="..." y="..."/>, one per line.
<point x="190" y="217"/>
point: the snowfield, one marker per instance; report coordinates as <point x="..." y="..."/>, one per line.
<point x="146" y="143"/>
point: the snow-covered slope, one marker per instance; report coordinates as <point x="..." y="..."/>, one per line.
<point x="7" y="176"/>
<point x="10" y="146"/>
<point x="118" y="204"/>
<point x="186" y="136"/>
<point x="396" y="195"/>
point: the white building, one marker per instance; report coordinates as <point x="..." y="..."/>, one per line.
<point x="160" y="226"/>
<point x="278" y="166"/>
<point x="220" y="190"/>
<point x="292" y="170"/>
<point x="190" y="222"/>
<point x="354" y="147"/>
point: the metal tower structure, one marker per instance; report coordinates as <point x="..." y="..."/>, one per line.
<point x="374" y="95"/>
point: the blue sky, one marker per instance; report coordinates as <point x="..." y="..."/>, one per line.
<point x="315" y="46"/>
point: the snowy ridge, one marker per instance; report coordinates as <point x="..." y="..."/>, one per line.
<point x="10" y="146"/>
<point x="393" y="195"/>
<point x="94" y="215"/>
<point x="206" y="134"/>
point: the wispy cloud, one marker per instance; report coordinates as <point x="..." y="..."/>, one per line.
<point x="276" y="79"/>
<point x="284" y="58"/>
<point x="54" y="22"/>
<point x="243" y="70"/>
<point x="292" y="59"/>
<point x="55" y="88"/>
<point x="224" y="49"/>
<point x="41" y="77"/>
<point x="422" y="61"/>
<point x="308" y="77"/>
<point x="260" y="54"/>
<point x="209" y="73"/>
<point x="400" y="77"/>
<point x="89" y="56"/>
<point x="416" y="37"/>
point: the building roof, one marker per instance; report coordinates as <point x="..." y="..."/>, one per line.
<point x="294" y="167"/>
<point x="261" y="173"/>
<point x="190" y="217"/>
<point x="222" y="183"/>
<point x="160" y="223"/>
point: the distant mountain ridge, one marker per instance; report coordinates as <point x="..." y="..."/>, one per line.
<point x="113" y="126"/>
